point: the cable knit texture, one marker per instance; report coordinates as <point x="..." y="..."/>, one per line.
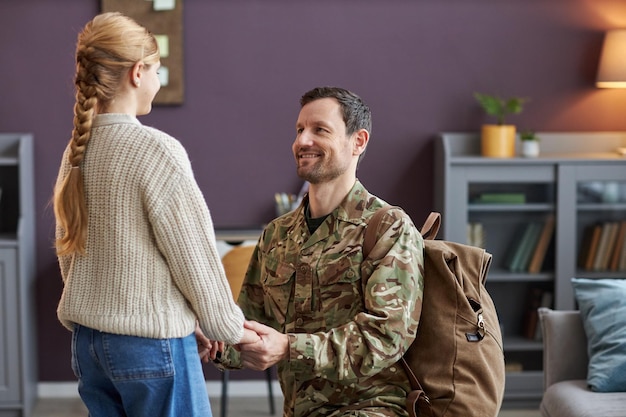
<point x="151" y="265"/>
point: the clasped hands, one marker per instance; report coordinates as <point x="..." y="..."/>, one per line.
<point x="259" y="348"/>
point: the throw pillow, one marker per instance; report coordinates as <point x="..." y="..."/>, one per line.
<point x="602" y="304"/>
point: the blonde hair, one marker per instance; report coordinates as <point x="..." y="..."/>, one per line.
<point x="107" y="49"/>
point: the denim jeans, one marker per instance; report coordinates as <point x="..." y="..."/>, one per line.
<point x="138" y="377"/>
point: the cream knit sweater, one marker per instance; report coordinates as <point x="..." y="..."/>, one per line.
<point x="151" y="265"/>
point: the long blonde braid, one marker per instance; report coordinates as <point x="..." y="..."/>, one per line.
<point x="106" y="50"/>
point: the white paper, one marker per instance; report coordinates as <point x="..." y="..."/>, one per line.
<point x="164" y="4"/>
<point x="164" y="45"/>
<point x="164" y="76"/>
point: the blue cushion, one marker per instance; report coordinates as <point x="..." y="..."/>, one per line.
<point x="602" y="304"/>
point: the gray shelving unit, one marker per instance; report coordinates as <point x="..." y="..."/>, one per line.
<point x="556" y="183"/>
<point x="18" y="347"/>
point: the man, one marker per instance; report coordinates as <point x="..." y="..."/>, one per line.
<point x="334" y="323"/>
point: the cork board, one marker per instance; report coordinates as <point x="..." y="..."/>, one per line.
<point x="167" y="26"/>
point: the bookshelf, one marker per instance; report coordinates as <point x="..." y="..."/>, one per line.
<point x="578" y="181"/>
<point x="18" y="354"/>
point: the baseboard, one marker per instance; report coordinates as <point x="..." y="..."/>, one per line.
<point x="214" y="388"/>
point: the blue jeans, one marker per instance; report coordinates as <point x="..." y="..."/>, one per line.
<point x="130" y="376"/>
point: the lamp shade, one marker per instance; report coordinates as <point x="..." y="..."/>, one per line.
<point x="612" y="68"/>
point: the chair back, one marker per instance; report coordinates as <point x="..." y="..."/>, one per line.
<point x="565" y="355"/>
<point x="235" y="263"/>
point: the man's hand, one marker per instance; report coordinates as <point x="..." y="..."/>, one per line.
<point x="272" y="347"/>
<point x="249" y="336"/>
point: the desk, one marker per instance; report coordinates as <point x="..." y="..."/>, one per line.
<point x="237" y="235"/>
<point x="226" y="238"/>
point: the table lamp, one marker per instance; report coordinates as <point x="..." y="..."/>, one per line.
<point x="612" y="68"/>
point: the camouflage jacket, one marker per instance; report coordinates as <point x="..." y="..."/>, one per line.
<point x="348" y="320"/>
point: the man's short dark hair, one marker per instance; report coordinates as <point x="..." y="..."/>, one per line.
<point x="356" y="114"/>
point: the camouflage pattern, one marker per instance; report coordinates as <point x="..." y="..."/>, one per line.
<point x="348" y="321"/>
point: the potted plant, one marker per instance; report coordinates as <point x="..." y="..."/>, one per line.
<point x="498" y="140"/>
<point x="530" y="143"/>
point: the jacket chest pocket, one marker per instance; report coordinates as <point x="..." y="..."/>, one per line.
<point x="340" y="288"/>
<point x="277" y="283"/>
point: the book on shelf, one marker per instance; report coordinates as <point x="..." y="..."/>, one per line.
<point x="476" y="234"/>
<point x="501" y="198"/>
<point x="528" y="250"/>
<point x="602" y="245"/>
<point x="598" y="259"/>
<point x="585" y="244"/>
<point x="617" y="249"/>
<point x="622" y="258"/>
<point x="536" y="297"/>
<point x="621" y="266"/>
<point x="541" y="247"/>
<point x="531" y="316"/>
<point x="589" y="246"/>
<point x="546" y="301"/>
<point x="608" y="237"/>
<point x="524" y="251"/>
<point x="610" y="245"/>
<point x="516" y="247"/>
<point x="513" y="367"/>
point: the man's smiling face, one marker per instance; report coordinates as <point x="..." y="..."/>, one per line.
<point x="322" y="150"/>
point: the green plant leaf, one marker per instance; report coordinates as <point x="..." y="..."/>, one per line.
<point x="498" y="107"/>
<point x="514" y="105"/>
<point x="528" y="135"/>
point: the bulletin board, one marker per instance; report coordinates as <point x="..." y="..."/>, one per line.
<point x="164" y="18"/>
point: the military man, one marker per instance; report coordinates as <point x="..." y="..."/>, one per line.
<point x="334" y="323"/>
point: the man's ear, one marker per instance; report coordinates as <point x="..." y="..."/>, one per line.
<point x="361" y="138"/>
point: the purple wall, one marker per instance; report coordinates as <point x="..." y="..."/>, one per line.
<point x="417" y="64"/>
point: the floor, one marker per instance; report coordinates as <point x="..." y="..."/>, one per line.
<point x="237" y="407"/>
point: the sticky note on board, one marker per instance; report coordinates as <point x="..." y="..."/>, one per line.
<point x="164" y="4"/>
<point x="164" y="76"/>
<point x="164" y="45"/>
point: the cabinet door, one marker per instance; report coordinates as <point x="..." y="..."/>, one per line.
<point x="9" y="337"/>
<point x="594" y="224"/>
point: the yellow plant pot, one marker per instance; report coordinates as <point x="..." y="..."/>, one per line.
<point x="498" y="141"/>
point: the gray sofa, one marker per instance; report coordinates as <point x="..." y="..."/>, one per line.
<point x="565" y="371"/>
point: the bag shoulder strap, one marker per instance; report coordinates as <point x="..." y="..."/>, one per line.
<point x="372" y="228"/>
<point x="431" y="226"/>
